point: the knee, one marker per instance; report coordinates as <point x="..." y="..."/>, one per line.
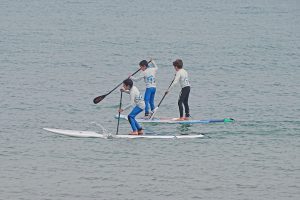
<point x="130" y="116"/>
<point x="146" y="99"/>
<point x="179" y="103"/>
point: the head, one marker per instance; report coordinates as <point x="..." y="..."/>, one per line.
<point x="143" y="65"/>
<point x="127" y="84"/>
<point x="178" y="64"/>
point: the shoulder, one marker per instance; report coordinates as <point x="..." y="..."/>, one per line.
<point x="152" y="70"/>
<point x="149" y="70"/>
<point x="134" y="89"/>
<point x="184" y="71"/>
<point x="181" y="71"/>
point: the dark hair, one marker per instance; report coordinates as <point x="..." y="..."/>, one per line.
<point x="128" y="82"/>
<point x="144" y="63"/>
<point x="178" y="63"/>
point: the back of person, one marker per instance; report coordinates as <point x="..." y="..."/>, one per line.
<point x="184" y="78"/>
<point x="136" y="97"/>
<point x="149" y="77"/>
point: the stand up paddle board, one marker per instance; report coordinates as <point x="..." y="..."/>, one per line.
<point x="175" y="120"/>
<point x="92" y="134"/>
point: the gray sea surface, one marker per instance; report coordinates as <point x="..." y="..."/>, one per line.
<point x="243" y="58"/>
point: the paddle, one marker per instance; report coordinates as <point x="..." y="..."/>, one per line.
<point x="119" y="113"/>
<point x="100" y="98"/>
<point x="155" y="110"/>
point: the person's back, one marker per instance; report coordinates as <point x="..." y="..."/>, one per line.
<point x="136" y="97"/>
<point x="150" y="77"/>
<point x="183" y="78"/>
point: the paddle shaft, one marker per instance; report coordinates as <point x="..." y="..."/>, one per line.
<point x="165" y="93"/>
<point x="120" y="106"/>
<point x="100" y="98"/>
<point x="162" y="99"/>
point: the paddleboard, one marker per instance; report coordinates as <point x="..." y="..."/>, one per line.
<point x="174" y="120"/>
<point x="92" y="134"/>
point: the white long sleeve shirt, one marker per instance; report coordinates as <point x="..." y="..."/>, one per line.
<point x="181" y="77"/>
<point x="148" y="75"/>
<point x="136" y="99"/>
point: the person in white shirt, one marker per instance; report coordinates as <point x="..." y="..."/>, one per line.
<point x="183" y="79"/>
<point x="148" y="73"/>
<point x="138" y="104"/>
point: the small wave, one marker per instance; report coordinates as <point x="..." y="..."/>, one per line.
<point x="105" y="131"/>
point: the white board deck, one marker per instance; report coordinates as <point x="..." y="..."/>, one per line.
<point x="74" y="133"/>
<point x="92" y="134"/>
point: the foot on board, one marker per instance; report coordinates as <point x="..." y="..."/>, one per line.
<point x="134" y="133"/>
<point x="146" y="117"/>
<point x="140" y="132"/>
<point x="180" y="119"/>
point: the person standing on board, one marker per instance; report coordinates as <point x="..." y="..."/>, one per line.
<point x="182" y="77"/>
<point x="136" y="100"/>
<point x="148" y="74"/>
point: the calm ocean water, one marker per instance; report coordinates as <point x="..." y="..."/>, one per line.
<point x="244" y="62"/>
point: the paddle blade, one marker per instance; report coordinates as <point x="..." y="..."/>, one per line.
<point x="98" y="99"/>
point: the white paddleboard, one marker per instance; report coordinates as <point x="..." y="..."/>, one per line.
<point x="92" y="134"/>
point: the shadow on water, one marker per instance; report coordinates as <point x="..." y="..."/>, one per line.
<point x="184" y="129"/>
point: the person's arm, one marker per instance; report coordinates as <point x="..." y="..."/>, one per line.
<point x="154" y="65"/>
<point x="140" y="77"/>
<point x="126" y="91"/>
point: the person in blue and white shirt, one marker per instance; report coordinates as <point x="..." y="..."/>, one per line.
<point x="138" y="104"/>
<point x="148" y="73"/>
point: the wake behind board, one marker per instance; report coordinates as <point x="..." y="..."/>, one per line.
<point x="92" y="134"/>
<point x="174" y="120"/>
